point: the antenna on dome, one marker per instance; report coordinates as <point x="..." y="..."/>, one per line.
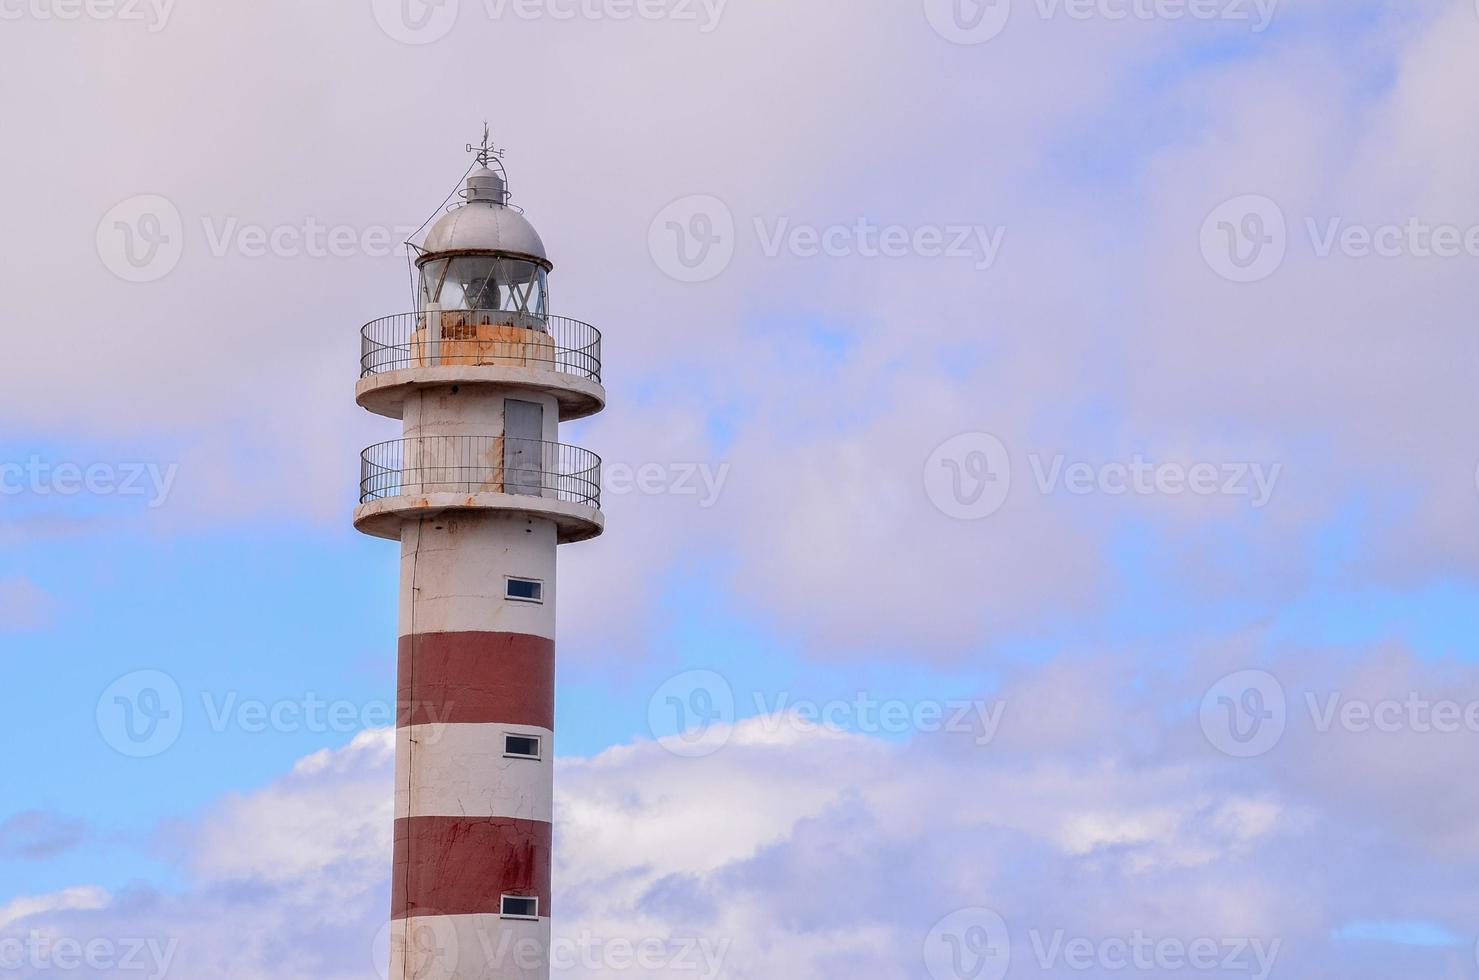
<point x="487" y="154"/>
<point x="488" y="182"/>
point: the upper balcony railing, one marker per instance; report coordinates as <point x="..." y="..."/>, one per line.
<point x="480" y="337"/>
<point x="480" y="464"/>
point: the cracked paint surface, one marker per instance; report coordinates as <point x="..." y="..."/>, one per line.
<point x="464" y="865"/>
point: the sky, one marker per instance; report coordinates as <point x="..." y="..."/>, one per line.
<point x="1041" y="479"/>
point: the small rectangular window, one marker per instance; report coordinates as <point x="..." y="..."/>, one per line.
<point x="520" y="907"/>
<point x="521" y="746"/>
<point x="525" y="589"/>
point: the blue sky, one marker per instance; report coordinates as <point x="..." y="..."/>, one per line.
<point x="243" y="612"/>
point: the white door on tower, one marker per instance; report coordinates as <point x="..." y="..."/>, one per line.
<point x="523" y="446"/>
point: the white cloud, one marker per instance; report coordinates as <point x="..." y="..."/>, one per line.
<point x="85" y="898"/>
<point x="1101" y="333"/>
<point x="298" y="823"/>
<point x="806" y="855"/>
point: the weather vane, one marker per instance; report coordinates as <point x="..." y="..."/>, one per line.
<point x="487" y="151"/>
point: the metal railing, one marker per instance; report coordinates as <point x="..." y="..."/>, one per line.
<point x="478" y="337"/>
<point x="480" y="464"/>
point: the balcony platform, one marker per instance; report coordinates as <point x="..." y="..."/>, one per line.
<point x="408" y="351"/>
<point x="385" y="394"/>
<point x="407" y="479"/>
<point x="384" y="516"/>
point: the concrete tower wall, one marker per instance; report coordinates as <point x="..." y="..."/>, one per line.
<point x="456" y="566"/>
<point x="472" y="410"/>
<point x="472" y="823"/>
<point x="475" y="666"/>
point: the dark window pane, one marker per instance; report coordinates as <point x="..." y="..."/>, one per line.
<point x="522" y="588"/>
<point x="526" y="908"/>
<point x="523" y="745"/>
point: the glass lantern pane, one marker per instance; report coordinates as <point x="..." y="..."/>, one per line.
<point x="485" y="282"/>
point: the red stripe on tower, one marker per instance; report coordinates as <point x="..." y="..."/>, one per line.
<point x="465" y="865"/>
<point x="476" y="677"/>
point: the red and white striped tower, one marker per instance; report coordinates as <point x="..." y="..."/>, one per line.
<point x="480" y="493"/>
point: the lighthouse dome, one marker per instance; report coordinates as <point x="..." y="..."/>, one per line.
<point x="481" y="227"/>
<point x="485" y="223"/>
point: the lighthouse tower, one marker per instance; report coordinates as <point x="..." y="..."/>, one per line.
<point x="480" y="492"/>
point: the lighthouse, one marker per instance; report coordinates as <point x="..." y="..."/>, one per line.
<point x="480" y="492"/>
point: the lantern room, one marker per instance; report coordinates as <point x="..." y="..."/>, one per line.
<point x="482" y="312"/>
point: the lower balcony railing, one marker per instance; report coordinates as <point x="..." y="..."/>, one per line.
<point x="476" y="338"/>
<point x="480" y="464"/>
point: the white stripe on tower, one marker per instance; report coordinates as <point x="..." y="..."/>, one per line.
<point x="456" y="947"/>
<point x="465" y="770"/>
